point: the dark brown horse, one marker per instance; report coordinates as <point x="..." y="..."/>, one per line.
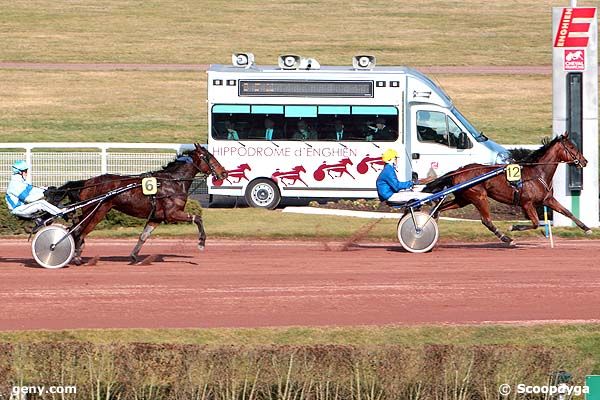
<point x="537" y="172"/>
<point x="167" y="205"/>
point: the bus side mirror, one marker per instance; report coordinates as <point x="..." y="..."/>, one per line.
<point x="463" y="141"/>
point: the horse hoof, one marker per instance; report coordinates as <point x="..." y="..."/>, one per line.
<point x="201" y="247"/>
<point x="588" y="232"/>
<point x="133" y="259"/>
<point x="77" y="260"/>
<point x="510" y="228"/>
<point x="512" y="243"/>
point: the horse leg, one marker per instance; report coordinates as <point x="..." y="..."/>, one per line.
<point x="532" y="215"/>
<point x="79" y="245"/>
<point x="79" y="241"/>
<point x="81" y="232"/>
<point x="180" y="216"/>
<point x="481" y="203"/>
<point x="556" y="206"/>
<point x="150" y="226"/>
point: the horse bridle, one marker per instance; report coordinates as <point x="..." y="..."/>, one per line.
<point x="574" y="157"/>
<point x="206" y="157"/>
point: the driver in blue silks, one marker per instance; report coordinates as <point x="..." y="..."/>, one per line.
<point x="389" y="187"/>
<point x="22" y="198"/>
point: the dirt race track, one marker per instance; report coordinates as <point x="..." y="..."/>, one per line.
<point x="270" y="283"/>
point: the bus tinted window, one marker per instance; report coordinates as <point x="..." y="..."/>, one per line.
<point x="304" y="122"/>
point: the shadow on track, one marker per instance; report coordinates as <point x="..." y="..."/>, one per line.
<point x="151" y="259"/>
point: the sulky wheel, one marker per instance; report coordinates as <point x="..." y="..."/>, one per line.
<point x="420" y="238"/>
<point x="46" y="249"/>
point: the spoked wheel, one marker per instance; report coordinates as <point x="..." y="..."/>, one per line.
<point x="53" y="246"/>
<point x="418" y="235"/>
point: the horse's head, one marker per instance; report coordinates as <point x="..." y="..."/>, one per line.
<point x="206" y="163"/>
<point x="570" y="153"/>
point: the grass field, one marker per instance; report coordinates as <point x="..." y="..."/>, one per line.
<point x="581" y="336"/>
<point x="427" y="32"/>
<point x="170" y="106"/>
<point x="133" y="106"/>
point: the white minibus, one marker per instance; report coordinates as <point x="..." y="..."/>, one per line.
<point x="301" y="130"/>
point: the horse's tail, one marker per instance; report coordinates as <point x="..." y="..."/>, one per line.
<point x="70" y="190"/>
<point x="439" y="184"/>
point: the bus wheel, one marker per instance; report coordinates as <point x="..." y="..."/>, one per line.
<point x="263" y="193"/>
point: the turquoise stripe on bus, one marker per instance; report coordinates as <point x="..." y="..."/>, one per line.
<point x="267" y="109"/>
<point x="231" y="109"/>
<point x="374" y="110"/>
<point x="301" y="111"/>
<point x="334" y="110"/>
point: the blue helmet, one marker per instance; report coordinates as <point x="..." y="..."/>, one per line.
<point x="19" y="166"/>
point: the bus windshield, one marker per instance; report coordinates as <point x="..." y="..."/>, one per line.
<point x="480" y="137"/>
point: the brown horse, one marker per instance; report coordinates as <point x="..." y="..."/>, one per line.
<point x="537" y="172"/>
<point x="167" y="205"/>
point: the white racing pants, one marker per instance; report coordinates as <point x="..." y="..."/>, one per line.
<point x="30" y="209"/>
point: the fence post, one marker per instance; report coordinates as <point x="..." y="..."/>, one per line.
<point x="28" y="160"/>
<point x="103" y="160"/>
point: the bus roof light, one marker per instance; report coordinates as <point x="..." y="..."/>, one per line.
<point x="245" y="60"/>
<point x="363" y="62"/>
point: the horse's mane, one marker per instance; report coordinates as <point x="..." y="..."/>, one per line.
<point x="176" y="162"/>
<point x="525" y="155"/>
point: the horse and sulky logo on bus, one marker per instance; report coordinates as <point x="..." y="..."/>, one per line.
<point x="292" y="176"/>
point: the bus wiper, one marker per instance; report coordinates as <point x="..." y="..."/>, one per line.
<point x="375" y="144"/>
<point x="243" y="145"/>
<point x="343" y="145"/>
<point x="273" y="143"/>
<point x="307" y="144"/>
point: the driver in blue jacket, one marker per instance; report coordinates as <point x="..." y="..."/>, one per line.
<point x="24" y="199"/>
<point x="388" y="184"/>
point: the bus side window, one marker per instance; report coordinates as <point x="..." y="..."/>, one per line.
<point x="375" y="123"/>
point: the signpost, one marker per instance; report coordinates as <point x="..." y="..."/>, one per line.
<point x="575" y="108"/>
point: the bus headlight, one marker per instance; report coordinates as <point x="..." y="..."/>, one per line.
<point x="503" y="158"/>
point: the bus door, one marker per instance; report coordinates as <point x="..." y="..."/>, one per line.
<point x="437" y="143"/>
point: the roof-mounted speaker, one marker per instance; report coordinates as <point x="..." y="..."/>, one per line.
<point x="363" y="62"/>
<point x="289" y="61"/>
<point x="244" y="60"/>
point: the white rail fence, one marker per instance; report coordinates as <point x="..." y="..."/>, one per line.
<point x="53" y="164"/>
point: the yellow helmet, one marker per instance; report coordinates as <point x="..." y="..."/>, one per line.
<point x="389" y="155"/>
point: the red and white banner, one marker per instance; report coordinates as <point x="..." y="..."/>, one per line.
<point x="574" y="27"/>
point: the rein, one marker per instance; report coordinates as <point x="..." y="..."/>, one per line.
<point x="450" y="174"/>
